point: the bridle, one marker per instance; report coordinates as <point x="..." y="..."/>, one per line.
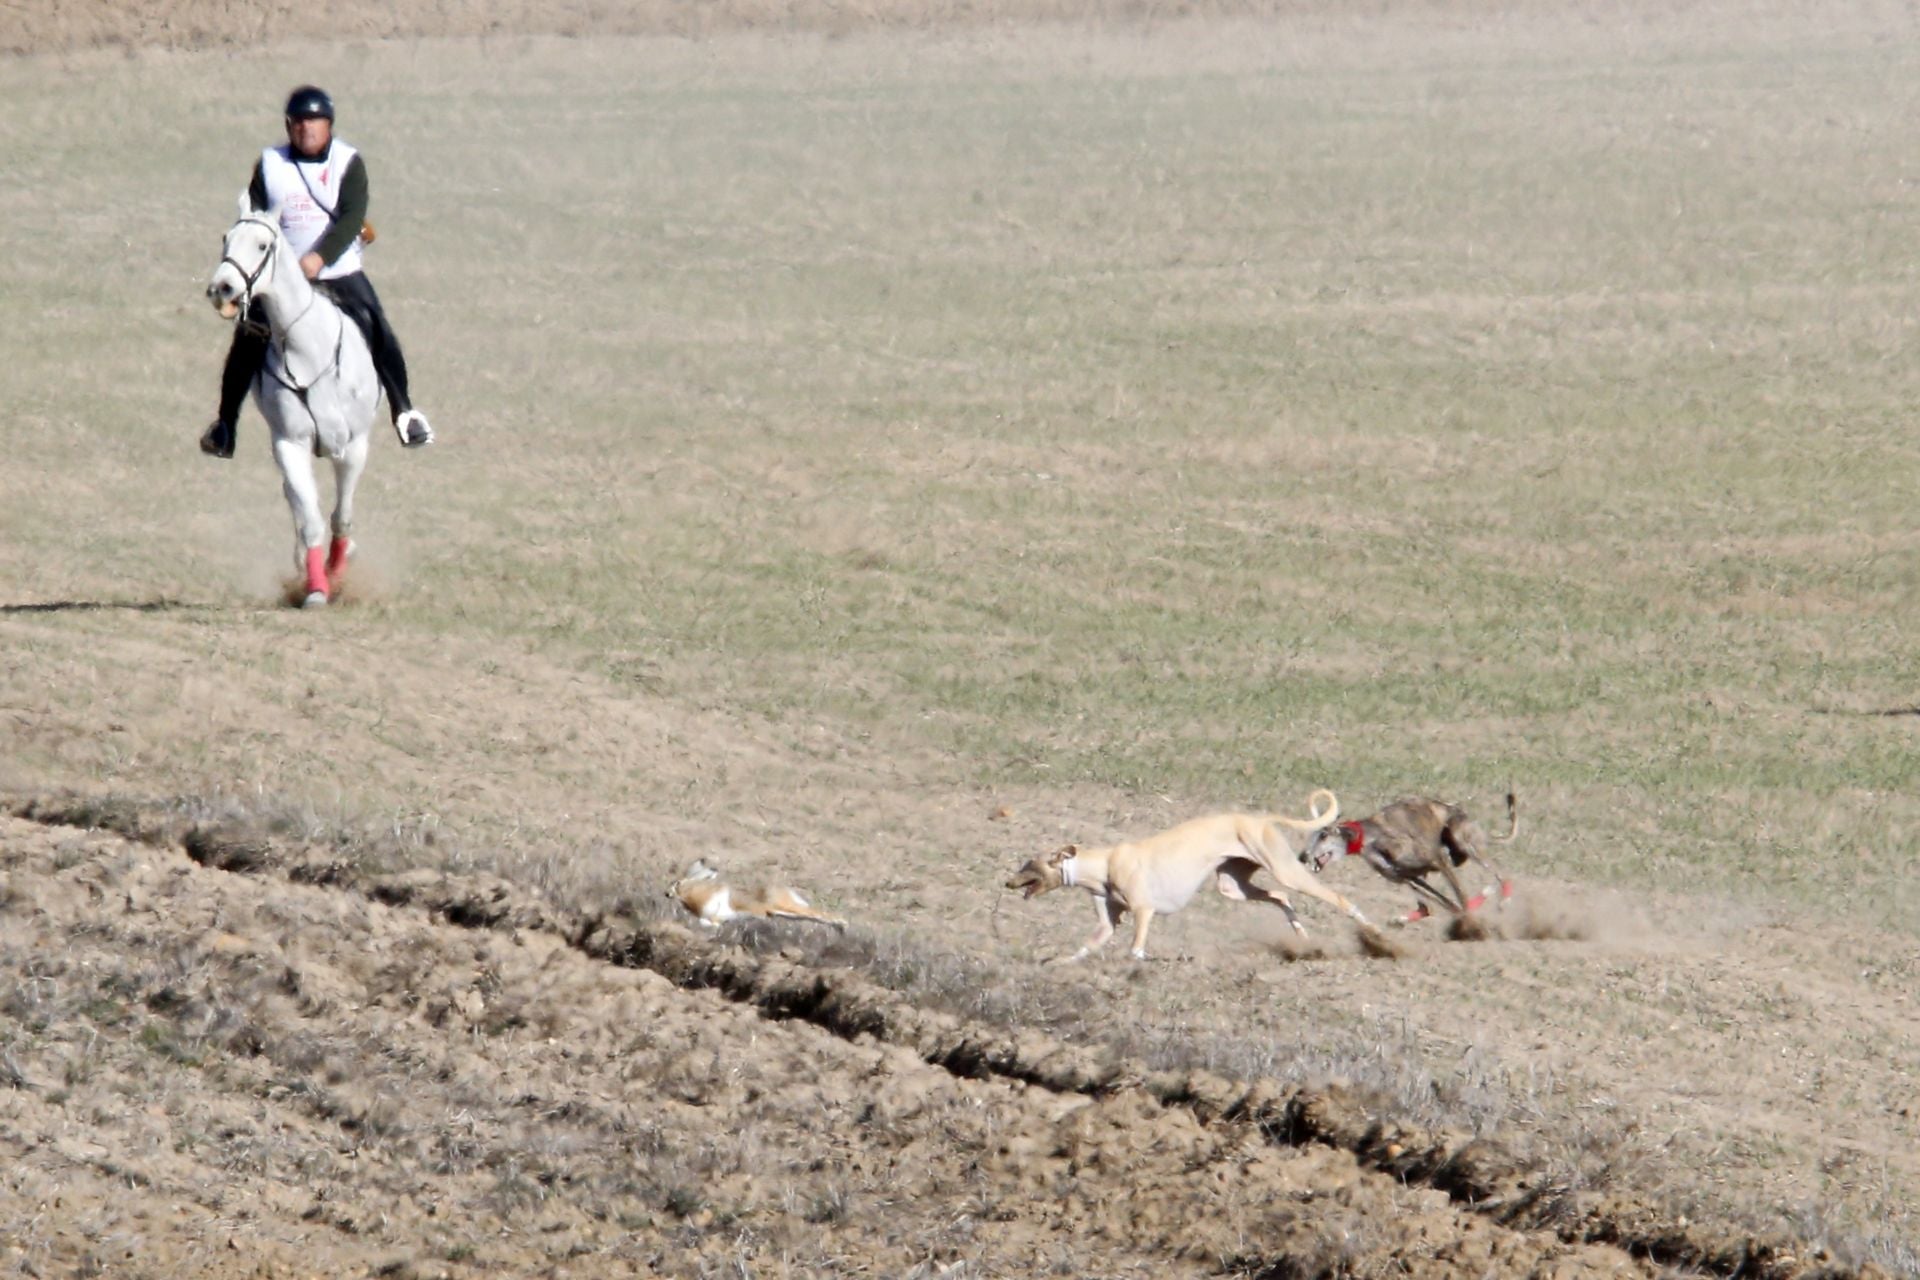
<point x="250" y="279"/>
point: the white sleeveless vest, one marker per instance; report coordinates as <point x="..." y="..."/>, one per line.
<point x="299" y="189"/>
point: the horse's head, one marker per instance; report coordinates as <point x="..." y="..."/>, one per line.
<point x="248" y="253"/>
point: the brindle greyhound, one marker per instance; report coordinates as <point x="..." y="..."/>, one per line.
<point x="1410" y="840"/>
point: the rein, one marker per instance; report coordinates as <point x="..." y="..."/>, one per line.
<point x="251" y="279"/>
<point x="300" y="392"/>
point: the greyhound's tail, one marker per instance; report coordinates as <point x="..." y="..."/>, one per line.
<point x="1505" y="885"/>
<point x="1324" y="807"/>
<point x="1513" y="822"/>
<point x="1323" y="816"/>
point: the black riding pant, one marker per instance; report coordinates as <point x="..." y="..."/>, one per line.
<point x="354" y="295"/>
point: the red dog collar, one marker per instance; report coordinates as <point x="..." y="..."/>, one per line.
<point x="1356" y="838"/>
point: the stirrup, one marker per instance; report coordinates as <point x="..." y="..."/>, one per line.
<point x="217" y="440"/>
<point x="413" y="429"/>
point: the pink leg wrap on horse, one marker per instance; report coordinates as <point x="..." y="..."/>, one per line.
<point x="316" y="570"/>
<point x="337" y="555"/>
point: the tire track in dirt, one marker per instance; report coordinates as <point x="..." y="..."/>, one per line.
<point x="1482" y="1206"/>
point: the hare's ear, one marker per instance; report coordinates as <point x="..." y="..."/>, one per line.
<point x="702" y="870"/>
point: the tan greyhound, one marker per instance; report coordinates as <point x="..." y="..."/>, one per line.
<point x="714" y="903"/>
<point x="1160" y="874"/>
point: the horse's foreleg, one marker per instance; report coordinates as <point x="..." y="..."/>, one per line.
<point x="346" y="479"/>
<point x="303" y="498"/>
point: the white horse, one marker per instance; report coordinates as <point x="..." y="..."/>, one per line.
<point x="317" y="390"/>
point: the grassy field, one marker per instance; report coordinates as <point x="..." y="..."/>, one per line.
<point x="1191" y="414"/>
<point x="1198" y="411"/>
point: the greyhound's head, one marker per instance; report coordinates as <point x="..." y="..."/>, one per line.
<point x="1327" y="845"/>
<point x="1041" y="873"/>
<point x="1323" y="846"/>
<point x="699" y="871"/>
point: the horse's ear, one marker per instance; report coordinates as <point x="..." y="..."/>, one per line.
<point x="246" y="204"/>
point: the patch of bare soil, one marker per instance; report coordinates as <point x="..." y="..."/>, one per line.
<point x="230" y="1055"/>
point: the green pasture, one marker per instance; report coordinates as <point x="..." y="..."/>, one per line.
<point x="1210" y="410"/>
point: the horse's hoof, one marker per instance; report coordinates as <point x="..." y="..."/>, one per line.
<point x="314" y="600"/>
<point x="342" y="551"/>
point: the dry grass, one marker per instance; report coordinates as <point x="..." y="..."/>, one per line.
<point x="41" y="28"/>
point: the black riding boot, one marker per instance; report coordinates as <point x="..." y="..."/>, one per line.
<point x="355" y="295"/>
<point x="244" y="360"/>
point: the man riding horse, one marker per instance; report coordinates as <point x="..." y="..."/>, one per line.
<point x="318" y="183"/>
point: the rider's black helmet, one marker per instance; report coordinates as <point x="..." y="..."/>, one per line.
<point x="309" y="101"/>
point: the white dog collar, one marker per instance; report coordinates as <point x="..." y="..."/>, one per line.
<point x="1068" y="876"/>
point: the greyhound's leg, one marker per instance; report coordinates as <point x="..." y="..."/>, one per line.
<point x="807" y="913"/>
<point x="1419" y="884"/>
<point x="786" y="904"/>
<point x="1236" y="882"/>
<point x="1459" y="902"/>
<point x="1142" y="917"/>
<point x="1501" y="885"/>
<point x="1466" y="839"/>
<point x="1292" y="875"/>
<point x="1109" y="912"/>
<point x="1287" y="870"/>
<point x="296" y="479"/>
<point x="1474" y="845"/>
